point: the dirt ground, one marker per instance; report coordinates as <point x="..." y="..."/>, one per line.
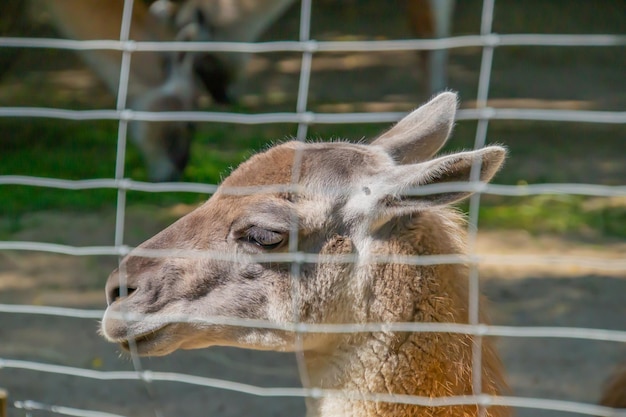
<point x="526" y="295"/>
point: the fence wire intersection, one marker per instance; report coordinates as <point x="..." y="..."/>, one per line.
<point x="483" y="113"/>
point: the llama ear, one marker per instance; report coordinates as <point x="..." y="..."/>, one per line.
<point x="450" y="168"/>
<point x="418" y="136"/>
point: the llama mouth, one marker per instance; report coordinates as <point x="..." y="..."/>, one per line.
<point x="143" y="343"/>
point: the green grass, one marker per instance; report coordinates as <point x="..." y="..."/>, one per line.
<point x="84" y="150"/>
<point x="87" y="150"/>
<point x="55" y="149"/>
<point x="576" y="216"/>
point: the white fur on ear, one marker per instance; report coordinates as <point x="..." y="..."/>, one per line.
<point x="419" y="135"/>
<point x="385" y="195"/>
<point x="446" y="169"/>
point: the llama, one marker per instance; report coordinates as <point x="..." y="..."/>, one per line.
<point x="166" y="82"/>
<point x="157" y="81"/>
<point x="246" y="21"/>
<point x="225" y="21"/>
<point x="352" y="201"/>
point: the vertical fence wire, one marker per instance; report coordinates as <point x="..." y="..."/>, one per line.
<point x="474" y="205"/>
<point x="301" y="108"/>
<point x="120" y="215"/>
<point x="305" y="68"/>
<point x="121" y="104"/>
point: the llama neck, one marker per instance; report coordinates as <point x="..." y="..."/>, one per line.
<point x="417" y="364"/>
<point x="413" y="364"/>
<point x="409" y="363"/>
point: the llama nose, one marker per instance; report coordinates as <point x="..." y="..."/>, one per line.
<point x="116" y="290"/>
<point x="118" y="293"/>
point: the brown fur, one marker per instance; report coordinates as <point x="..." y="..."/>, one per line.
<point x="422" y="364"/>
<point x="349" y="203"/>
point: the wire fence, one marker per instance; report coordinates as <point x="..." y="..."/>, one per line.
<point x="487" y="40"/>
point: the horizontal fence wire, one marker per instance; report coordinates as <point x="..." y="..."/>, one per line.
<point x="315" y="46"/>
<point x="590" y="262"/>
<point x="308" y="117"/>
<point x="605" y="335"/>
<point x="153" y="376"/>
<point x="304" y="117"/>
<point x="590" y="190"/>
<point x="30" y="405"/>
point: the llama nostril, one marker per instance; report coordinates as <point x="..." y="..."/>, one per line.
<point x="118" y="293"/>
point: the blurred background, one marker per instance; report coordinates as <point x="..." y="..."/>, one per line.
<point x="529" y="77"/>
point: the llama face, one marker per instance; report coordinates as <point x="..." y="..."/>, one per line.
<point x="345" y="194"/>
<point x="231" y="229"/>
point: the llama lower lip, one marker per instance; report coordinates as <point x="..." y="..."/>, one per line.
<point x="142" y="341"/>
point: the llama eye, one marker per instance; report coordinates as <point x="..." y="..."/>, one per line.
<point x="267" y="239"/>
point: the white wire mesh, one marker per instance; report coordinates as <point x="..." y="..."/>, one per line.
<point x="486" y="400"/>
<point x="303" y="117"/>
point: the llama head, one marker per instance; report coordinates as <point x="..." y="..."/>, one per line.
<point x="165" y="145"/>
<point x="318" y="198"/>
<point x="215" y="71"/>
